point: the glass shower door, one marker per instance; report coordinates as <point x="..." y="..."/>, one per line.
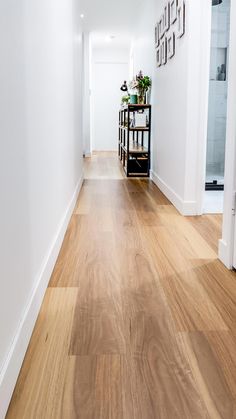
<point x="215" y="164"/>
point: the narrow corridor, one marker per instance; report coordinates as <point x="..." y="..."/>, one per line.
<point x="138" y="321"/>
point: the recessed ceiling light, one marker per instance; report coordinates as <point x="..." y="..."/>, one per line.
<point x="82" y="15"/>
<point x="110" y="38"/>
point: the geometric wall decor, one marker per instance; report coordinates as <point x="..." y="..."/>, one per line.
<point x="170" y="44"/>
<point x="161" y="26"/>
<point x="171" y="26"/>
<point x="167" y="16"/>
<point x="173" y="11"/>
<point x="180" y="18"/>
<point x="163" y="51"/>
<point x="158" y="56"/>
<point x="157" y="36"/>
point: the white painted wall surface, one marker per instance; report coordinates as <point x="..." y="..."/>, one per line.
<point x="87" y="147"/>
<point x="177" y="96"/>
<point x="40" y="161"/>
<point x="110" y="67"/>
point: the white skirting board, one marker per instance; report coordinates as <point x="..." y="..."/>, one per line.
<point x="186" y="208"/>
<point x="13" y="363"/>
<point x="225" y="255"/>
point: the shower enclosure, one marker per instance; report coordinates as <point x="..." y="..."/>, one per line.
<point x="215" y="162"/>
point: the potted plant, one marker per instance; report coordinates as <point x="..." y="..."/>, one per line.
<point x="144" y="84"/>
<point x="125" y="100"/>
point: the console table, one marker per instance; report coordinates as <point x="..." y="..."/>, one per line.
<point x="134" y="145"/>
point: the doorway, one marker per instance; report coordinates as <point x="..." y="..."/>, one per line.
<point x="109" y="68"/>
<point x="217" y="108"/>
<point x="107" y="79"/>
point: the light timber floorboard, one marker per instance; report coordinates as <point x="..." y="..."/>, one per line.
<point x="139" y="319"/>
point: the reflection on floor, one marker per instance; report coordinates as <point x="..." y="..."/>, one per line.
<point x="213" y="202"/>
<point x="103" y="165"/>
<point x="139" y="318"/>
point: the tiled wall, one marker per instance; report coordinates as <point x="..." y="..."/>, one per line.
<point x="218" y="90"/>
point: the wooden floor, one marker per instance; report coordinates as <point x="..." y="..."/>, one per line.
<point x="103" y="165"/>
<point x="139" y="320"/>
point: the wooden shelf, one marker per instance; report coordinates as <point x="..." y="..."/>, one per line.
<point x="136" y="158"/>
<point x="135" y="148"/>
<point x="135" y="129"/>
<point x="137" y="107"/>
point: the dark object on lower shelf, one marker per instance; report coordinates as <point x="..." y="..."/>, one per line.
<point x="134" y="145"/>
<point x="214" y="186"/>
<point x="138" y="165"/>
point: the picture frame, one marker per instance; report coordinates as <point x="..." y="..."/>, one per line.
<point x="161" y="27"/>
<point x="180" y="18"/>
<point x="157" y="36"/>
<point x="173" y="11"/>
<point x="170" y="45"/>
<point x="158" y="56"/>
<point x="165" y="35"/>
<point x="163" y="51"/>
<point x="167" y="16"/>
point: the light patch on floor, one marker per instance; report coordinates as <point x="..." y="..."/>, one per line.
<point x="213" y="202"/>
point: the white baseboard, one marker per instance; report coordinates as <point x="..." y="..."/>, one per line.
<point x="186" y="208"/>
<point x="12" y="365"/>
<point x="225" y="254"/>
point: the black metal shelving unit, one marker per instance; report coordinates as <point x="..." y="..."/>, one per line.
<point x="134" y="145"/>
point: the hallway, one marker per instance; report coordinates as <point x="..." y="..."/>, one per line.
<point x="138" y="321"/>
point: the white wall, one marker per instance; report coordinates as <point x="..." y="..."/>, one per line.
<point x="179" y="88"/>
<point x="87" y="148"/>
<point x="110" y="67"/>
<point x="40" y="161"/>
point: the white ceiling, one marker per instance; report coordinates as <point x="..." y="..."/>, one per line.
<point x="106" y="18"/>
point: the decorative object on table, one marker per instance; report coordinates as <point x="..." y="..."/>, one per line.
<point x="144" y="84"/>
<point x="167" y="16"/>
<point x="158" y="56"/>
<point x="163" y="51"/>
<point x="133" y="91"/>
<point x="180" y="18"/>
<point x="139" y="75"/>
<point x="173" y="11"/>
<point x="124" y="87"/>
<point x="132" y="121"/>
<point x="134" y="99"/>
<point x="140" y="120"/>
<point x="125" y="100"/>
<point x="170" y="44"/>
<point x="157" y="36"/>
<point x="222" y="73"/>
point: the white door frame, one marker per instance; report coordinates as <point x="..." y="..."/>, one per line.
<point x="226" y="244"/>
<point x="204" y="78"/>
